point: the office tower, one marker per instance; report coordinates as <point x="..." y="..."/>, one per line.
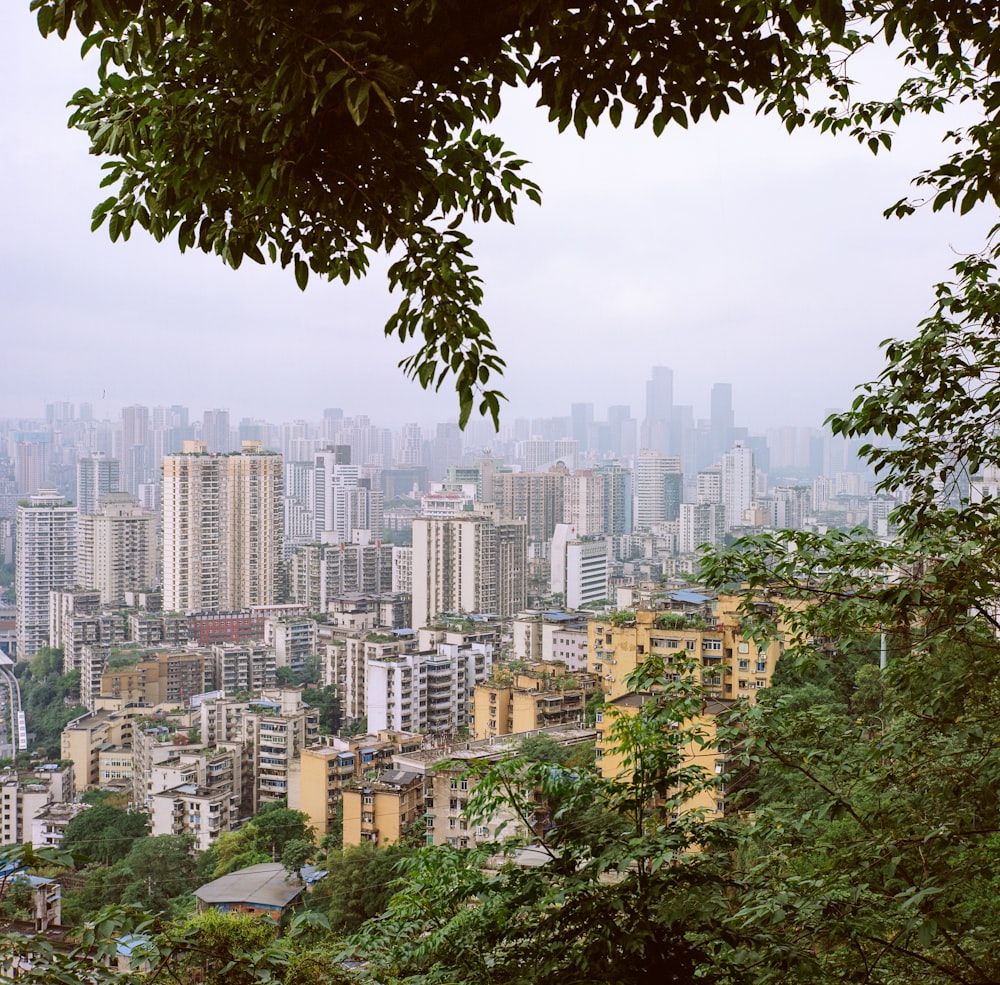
<point x="722" y="406"/>
<point x="410" y="447"/>
<point x="344" y="504"/>
<point x="96" y="476"/>
<point x="133" y="450"/>
<point x="446" y="450"/>
<point x="222" y="529"/>
<point x="622" y="431"/>
<point x="659" y="487"/>
<point x="582" y="417"/>
<point x="579" y="567"/>
<point x="737" y="482"/>
<point x="215" y="431"/>
<point x="467" y="564"/>
<point x="659" y="409"/>
<point x="117" y="548"/>
<point x="46" y="562"/>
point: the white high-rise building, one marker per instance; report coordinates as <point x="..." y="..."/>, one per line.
<point x="426" y="691"/>
<point x="579" y="567"/>
<point x="583" y="502"/>
<point x="738" y="475"/>
<point x="96" y="475"/>
<point x="222" y="529"/>
<point x="659" y="487"/>
<point x="46" y="562"/>
<point x="468" y="563"/>
<point x="343" y="502"/>
<point x="117" y="548"/>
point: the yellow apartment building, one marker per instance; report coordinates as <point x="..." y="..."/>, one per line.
<point x="382" y="811"/>
<point x="531" y="699"/>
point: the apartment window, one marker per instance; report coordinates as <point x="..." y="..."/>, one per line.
<point x="744" y="664"/>
<point x="761" y="666"/>
<point x="368" y="800"/>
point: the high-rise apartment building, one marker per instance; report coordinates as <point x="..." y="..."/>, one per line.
<point x="222" y="529"/>
<point x="46" y="562"/>
<point x="343" y="502"/>
<point x="96" y="476"/>
<point x="117" y="548"/>
<point x="659" y="487"/>
<point x="535" y="497"/>
<point x="583" y="502"/>
<point x="467" y="564"/>
<point x="738" y="474"/>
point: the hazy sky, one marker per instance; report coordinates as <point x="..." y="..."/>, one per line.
<point x="732" y="252"/>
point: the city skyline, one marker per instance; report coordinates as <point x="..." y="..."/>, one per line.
<point x="734" y="252"/>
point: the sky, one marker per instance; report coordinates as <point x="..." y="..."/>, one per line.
<point x="732" y="252"/>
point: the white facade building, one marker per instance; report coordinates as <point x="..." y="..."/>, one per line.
<point x="46" y="562"/>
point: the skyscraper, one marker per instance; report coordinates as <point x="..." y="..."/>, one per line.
<point x="46" y="561"/>
<point x="222" y="529"/>
<point x="659" y="409"/>
<point x="215" y="431"/>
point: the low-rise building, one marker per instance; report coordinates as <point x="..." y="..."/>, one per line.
<point x="263" y="890"/>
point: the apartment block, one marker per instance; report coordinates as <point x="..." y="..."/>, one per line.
<point x="448" y="785"/>
<point x="46" y="562"/>
<point x="165" y="677"/>
<point x="327" y="768"/>
<point x="222" y="529"/>
<point x="243" y="667"/>
<point x="469" y="563"/>
<point x="24" y="794"/>
<point x="536" y="698"/>
<point x="426" y="691"/>
<point x="383" y="811"/>
<point x="117" y="551"/>
<point x="731" y="667"/>
<point x="294" y="641"/>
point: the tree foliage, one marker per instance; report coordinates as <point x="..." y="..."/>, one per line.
<point x="316" y="136"/>
<point x="104" y="834"/>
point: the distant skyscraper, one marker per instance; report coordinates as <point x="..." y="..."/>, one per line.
<point x="96" y="476"/>
<point x="216" y="432"/>
<point x="32" y="458"/>
<point x="722" y="406"/>
<point x="222" y="529"/>
<point x="134" y="452"/>
<point x="582" y="417"/>
<point x="46" y="562"/>
<point x="659" y="409"/>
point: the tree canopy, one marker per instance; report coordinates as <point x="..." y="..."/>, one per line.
<point x="317" y="136"/>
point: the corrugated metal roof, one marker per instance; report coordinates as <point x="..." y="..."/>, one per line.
<point x="266" y="884"/>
